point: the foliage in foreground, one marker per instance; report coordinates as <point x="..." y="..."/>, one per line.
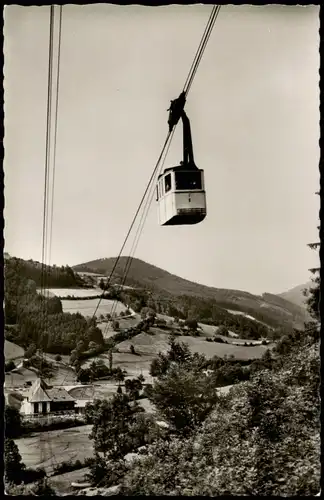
<point x="262" y="439"/>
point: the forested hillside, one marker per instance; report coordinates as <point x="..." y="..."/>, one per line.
<point x="31" y="318"/>
<point x="56" y="276"/>
<point x="176" y="293"/>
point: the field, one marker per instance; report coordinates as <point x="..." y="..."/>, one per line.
<point x="12" y="351"/>
<point x="134" y="365"/>
<point x="73" y="292"/>
<point x="19" y="377"/>
<point x="87" y="307"/>
<point x="108" y="331"/>
<point x="46" y="449"/>
<point x="149" y="345"/>
<point x="210" y="349"/>
<point x="63" y="375"/>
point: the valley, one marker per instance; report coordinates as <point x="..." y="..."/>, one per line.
<point x="129" y="332"/>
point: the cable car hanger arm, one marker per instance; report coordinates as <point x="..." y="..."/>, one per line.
<point x="175" y="110"/>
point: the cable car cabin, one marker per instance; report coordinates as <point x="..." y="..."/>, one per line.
<point x="181" y="196"/>
<point x="181" y="190"/>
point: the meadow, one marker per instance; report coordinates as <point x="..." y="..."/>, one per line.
<point x="12" y="351"/>
<point x="148" y="345"/>
<point x="73" y="292"/>
<point x="47" y="449"/>
<point x="87" y="307"/>
<point x="151" y="344"/>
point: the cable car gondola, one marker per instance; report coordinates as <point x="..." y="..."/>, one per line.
<point x="180" y="190"/>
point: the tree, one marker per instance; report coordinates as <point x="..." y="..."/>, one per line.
<point x="222" y="330"/>
<point x="12" y="422"/>
<point x="84" y="375"/>
<point x="179" y="352"/>
<point x="13" y="465"/>
<point x="10" y="366"/>
<point x="110" y="358"/>
<point x="92" y="346"/>
<point x="159" y="365"/>
<point x="313" y="298"/>
<point x="42" y="488"/>
<point x="74" y="357"/>
<point x="111" y="422"/>
<point x="115" y="325"/>
<point x="132" y="387"/>
<point x="191" y="323"/>
<point x="120" y="377"/>
<point x="184" y="398"/>
<point x="31" y="351"/>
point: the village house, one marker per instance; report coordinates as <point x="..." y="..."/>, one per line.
<point x="42" y="399"/>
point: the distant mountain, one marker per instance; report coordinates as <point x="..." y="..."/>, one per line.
<point x="272" y="309"/>
<point x="295" y="295"/>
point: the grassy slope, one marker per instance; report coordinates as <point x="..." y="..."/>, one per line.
<point x="12" y="351"/>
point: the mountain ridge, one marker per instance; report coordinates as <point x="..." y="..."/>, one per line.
<point x="295" y="294"/>
<point x="145" y="275"/>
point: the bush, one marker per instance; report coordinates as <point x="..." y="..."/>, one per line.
<point x="68" y="466"/>
<point x="107" y="473"/>
<point x="32" y="475"/>
<point x="10" y="366"/>
<point x="58" y="357"/>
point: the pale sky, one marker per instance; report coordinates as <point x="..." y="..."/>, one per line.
<point x="254" y="111"/>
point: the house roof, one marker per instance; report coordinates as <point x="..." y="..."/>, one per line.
<point x="41" y="392"/>
<point x="38" y="392"/>
<point x="59" y="394"/>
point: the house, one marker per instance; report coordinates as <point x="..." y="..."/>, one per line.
<point x="43" y="399"/>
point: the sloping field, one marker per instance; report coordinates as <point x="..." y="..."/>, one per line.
<point x="210" y="349"/>
<point x="108" y="331"/>
<point x="146" y="343"/>
<point x="19" y="377"/>
<point x="12" y="351"/>
<point x="63" y="375"/>
<point x="133" y="364"/>
<point x="87" y="307"/>
<point x="151" y="344"/>
<point x="45" y="449"/>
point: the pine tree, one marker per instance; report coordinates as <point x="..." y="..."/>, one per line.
<point x="13" y="465"/>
